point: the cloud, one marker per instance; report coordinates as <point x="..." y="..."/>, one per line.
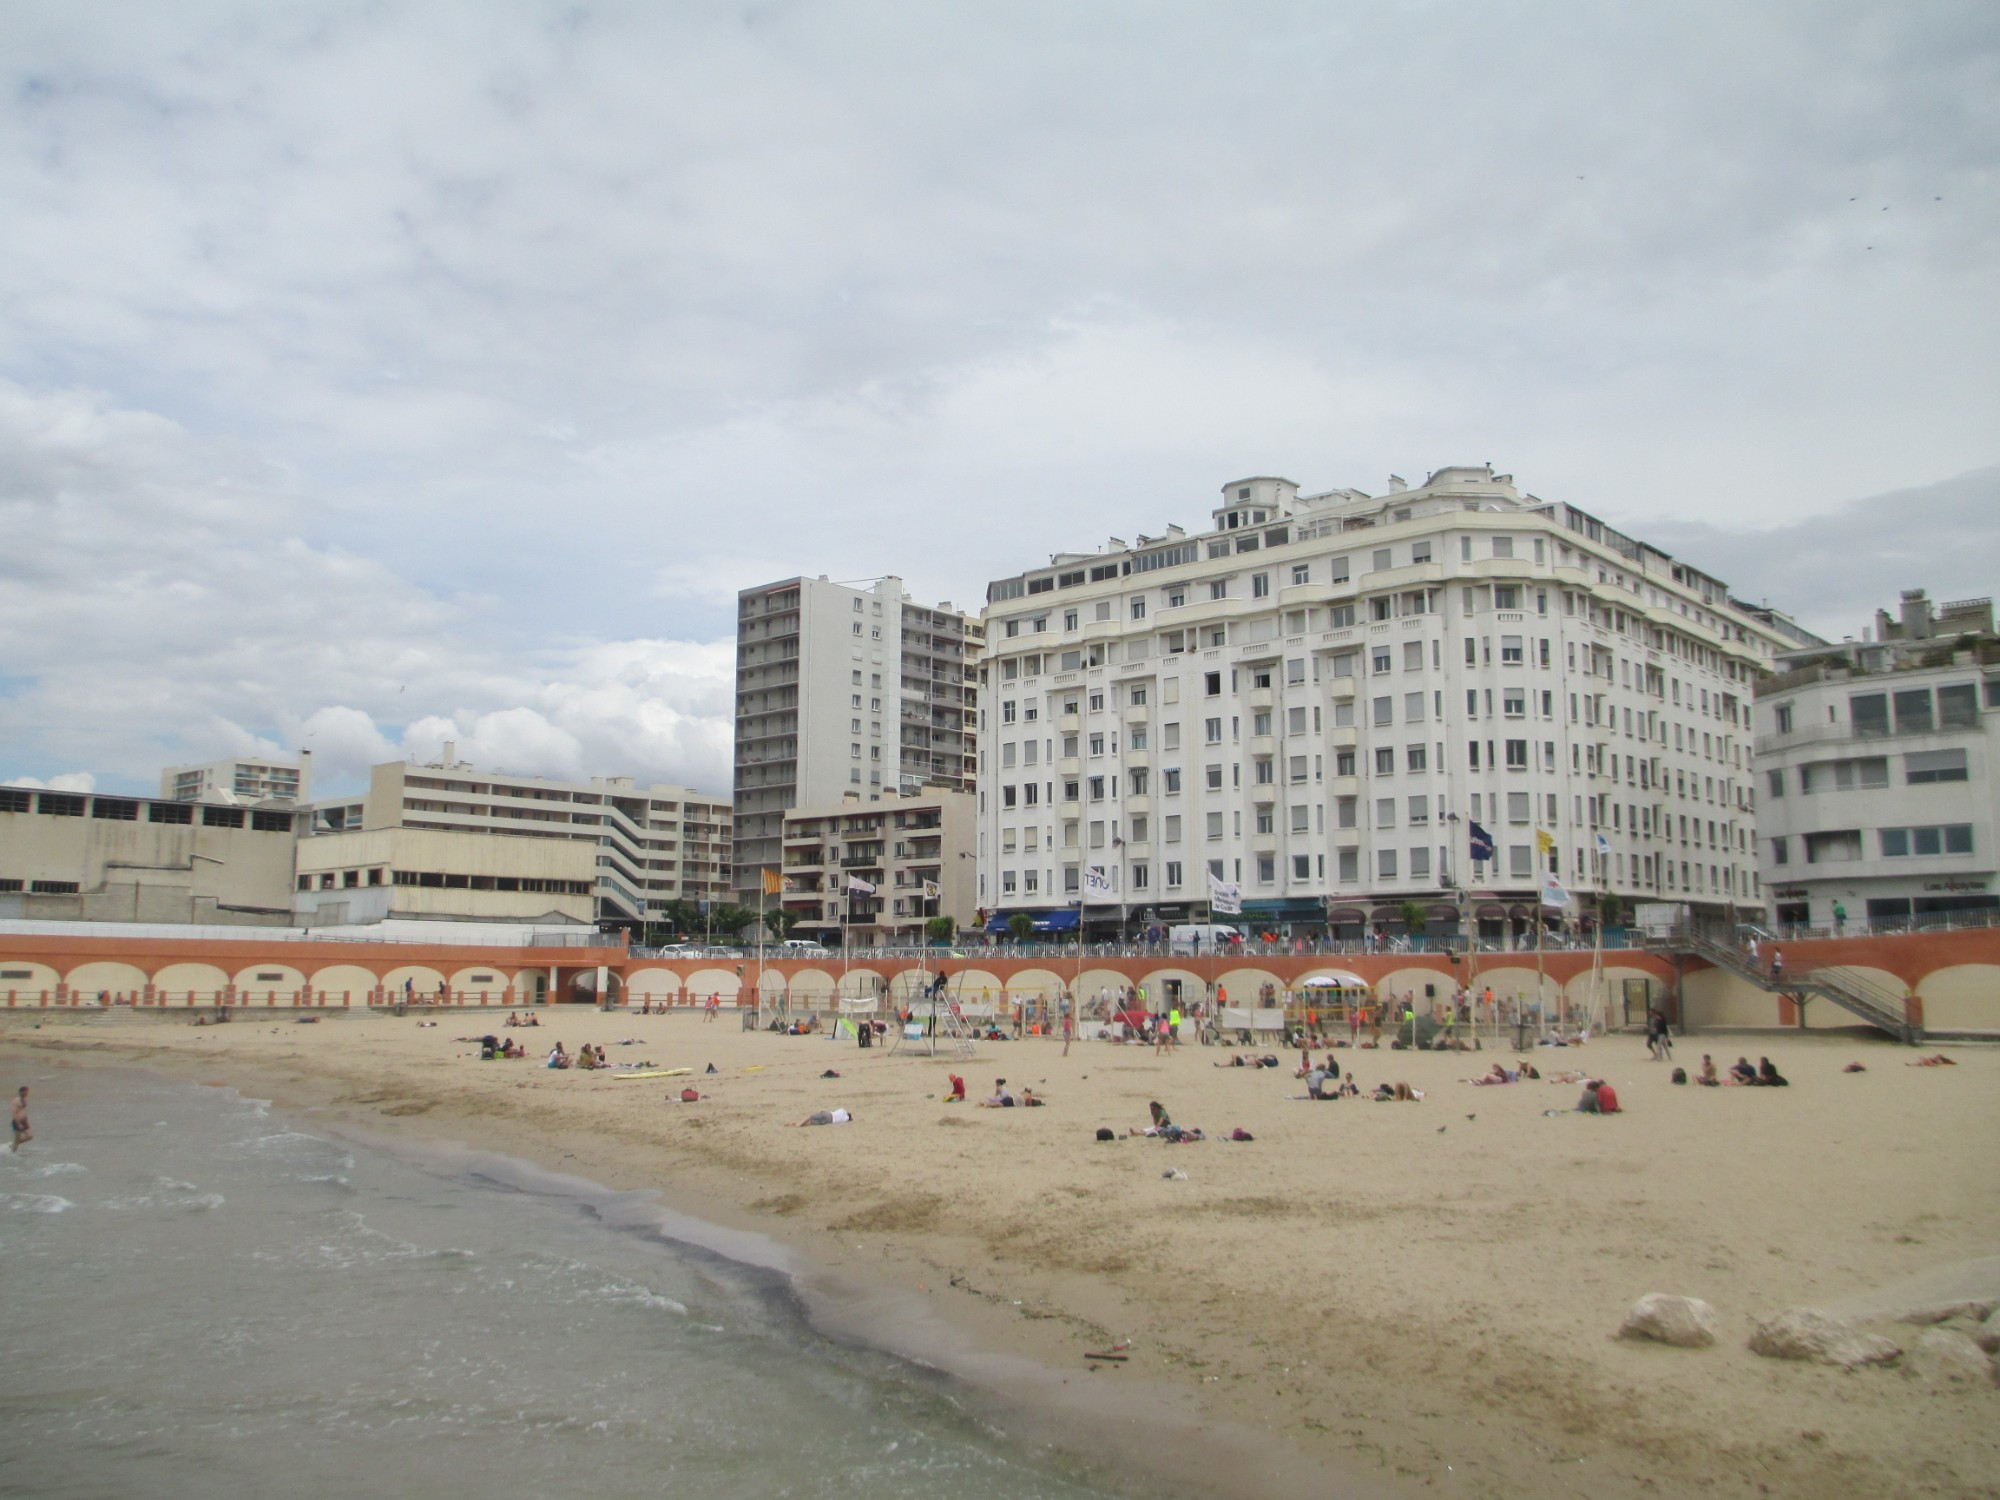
<point x="1831" y="572"/>
<point x="365" y="371"/>
<point x="158" y="608"/>
<point x="66" y="781"/>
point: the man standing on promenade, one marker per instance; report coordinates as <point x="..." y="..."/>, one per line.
<point x="22" y="1134"/>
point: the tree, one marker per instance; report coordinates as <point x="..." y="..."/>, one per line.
<point x="729" y="919"/>
<point x="1413" y="916"/>
<point x="1020" y="924"/>
<point x="684" y="917"/>
<point x="1610" y="909"/>
<point x="941" y="930"/>
<point x="781" y="922"/>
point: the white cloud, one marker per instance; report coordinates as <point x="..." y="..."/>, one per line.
<point x="366" y="367"/>
<point x="66" y="781"/>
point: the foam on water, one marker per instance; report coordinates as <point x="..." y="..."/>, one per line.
<point x="235" y="1308"/>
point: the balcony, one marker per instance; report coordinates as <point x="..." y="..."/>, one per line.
<point x="1260" y="697"/>
<point x="1343" y="737"/>
<point x="1264" y="792"/>
<point x="1138" y="757"/>
<point x="1263" y="744"/>
<point x="1069" y="765"/>
<point x="1138" y="803"/>
<point x="1344" y="786"/>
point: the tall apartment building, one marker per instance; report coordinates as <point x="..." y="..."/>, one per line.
<point x="1880" y="769"/>
<point x="1316" y="696"/>
<point x="627" y="850"/>
<point x="839" y="690"/>
<point x="240" y="782"/>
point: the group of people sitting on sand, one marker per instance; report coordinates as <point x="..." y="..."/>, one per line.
<point x="1740" y="1075"/>
<point x="514" y="1019"/>
<point x="492" y="1047"/>
<point x="806" y="1027"/>
<point x="587" y="1057"/>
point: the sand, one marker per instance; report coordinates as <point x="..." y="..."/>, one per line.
<point x="1423" y="1292"/>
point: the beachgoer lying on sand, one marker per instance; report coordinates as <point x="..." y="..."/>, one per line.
<point x="1935" y="1060"/>
<point x="957" y="1093"/>
<point x="1769" y="1077"/>
<point x="1160" y="1121"/>
<point x="826" y="1117"/>
<point x="512" y="1048"/>
<point x="1384" y="1092"/>
<point x="1029" y="1101"/>
<point x="559" y="1058"/>
<point x="1741" y="1073"/>
<point x="1567" y="1075"/>
<point x="1493" y="1075"/>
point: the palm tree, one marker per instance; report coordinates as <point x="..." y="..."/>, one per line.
<point x="1414" y="917"/>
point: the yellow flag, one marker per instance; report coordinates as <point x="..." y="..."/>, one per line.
<point x="774" y="883"/>
<point x="1544" y="841"/>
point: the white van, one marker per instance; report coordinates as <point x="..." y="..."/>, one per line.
<point x="801" y="945"/>
<point x="1200" y="937"/>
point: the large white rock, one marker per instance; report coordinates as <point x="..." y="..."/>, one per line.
<point x="1809" y="1334"/>
<point x="1687" y="1322"/>
<point x="1943" y="1356"/>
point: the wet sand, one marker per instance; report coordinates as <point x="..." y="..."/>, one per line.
<point x="1421" y="1291"/>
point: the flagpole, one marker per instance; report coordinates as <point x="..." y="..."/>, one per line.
<point x="763" y="890"/>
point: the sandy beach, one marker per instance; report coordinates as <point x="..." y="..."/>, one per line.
<point x="1423" y="1291"/>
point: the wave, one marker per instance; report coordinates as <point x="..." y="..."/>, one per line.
<point x="34" y="1203"/>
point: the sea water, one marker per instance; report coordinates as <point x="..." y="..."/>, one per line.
<point x="201" y="1297"/>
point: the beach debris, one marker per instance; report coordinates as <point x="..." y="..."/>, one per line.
<point x="1118" y="1358"/>
<point x="1174" y="1174"/>
<point x="829" y="1073"/>
<point x="1946" y="1357"/>
<point x="1807" y="1333"/>
<point x="1685" y="1322"/>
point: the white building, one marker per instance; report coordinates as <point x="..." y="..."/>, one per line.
<point x="627" y="850"/>
<point x="1878" y="769"/>
<point x="843" y="690"/>
<point x="1316" y="696"/>
<point x="239" y="782"/>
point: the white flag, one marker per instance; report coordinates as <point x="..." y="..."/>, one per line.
<point x="859" y="886"/>
<point x="1096" y="884"/>
<point x="931" y="891"/>
<point x="1553" y="893"/>
<point x="1225" y="897"/>
<point x="1603" y="847"/>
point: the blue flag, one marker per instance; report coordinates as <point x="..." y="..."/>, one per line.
<point x="1482" y="843"/>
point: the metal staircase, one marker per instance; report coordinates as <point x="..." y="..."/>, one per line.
<point x="1852" y="992"/>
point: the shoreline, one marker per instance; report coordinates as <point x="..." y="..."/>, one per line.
<point x="1366" y="1343"/>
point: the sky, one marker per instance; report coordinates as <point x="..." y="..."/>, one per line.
<point x="375" y="375"/>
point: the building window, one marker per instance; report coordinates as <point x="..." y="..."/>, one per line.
<point x="1385" y="864"/>
<point x="1781" y="851"/>
<point x="1517" y="755"/>
<point x="1934" y="765"/>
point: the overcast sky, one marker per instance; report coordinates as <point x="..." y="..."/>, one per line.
<point x="372" y="375"/>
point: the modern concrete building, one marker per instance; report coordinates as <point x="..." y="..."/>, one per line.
<point x="905" y="847"/>
<point x="1878" y="766"/>
<point x="843" y="689"/>
<point x="513" y="847"/>
<point x="240" y="782"/>
<point x="68" y="856"/>
<point x="1316" y="696"/>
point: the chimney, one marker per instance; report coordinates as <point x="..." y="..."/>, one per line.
<point x="450" y="754"/>
<point x="1916" y="615"/>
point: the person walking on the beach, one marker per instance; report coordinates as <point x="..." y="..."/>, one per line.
<point x="708" y="1011"/>
<point x="1069" y="1026"/>
<point x="22" y="1134"/>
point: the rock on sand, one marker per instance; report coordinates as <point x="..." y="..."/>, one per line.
<point x="1945" y="1357"/>
<point x="1687" y="1322"/>
<point x="1809" y="1334"/>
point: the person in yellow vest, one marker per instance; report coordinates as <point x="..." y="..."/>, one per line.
<point x="1174" y="1024"/>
